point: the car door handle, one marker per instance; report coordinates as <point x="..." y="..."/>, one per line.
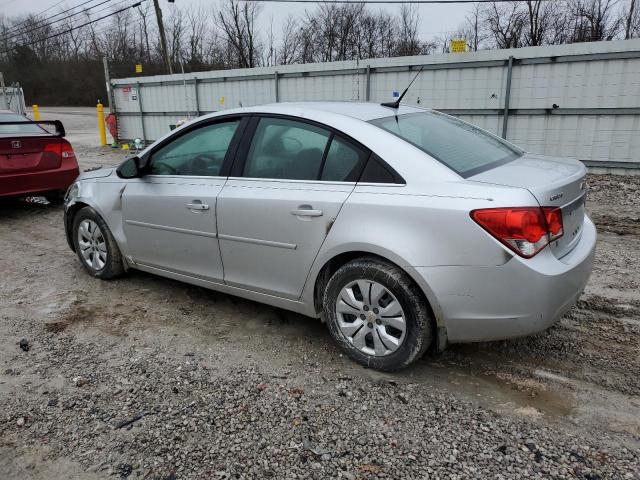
<point x="306" y="211"/>
<point x="197" y="206"/>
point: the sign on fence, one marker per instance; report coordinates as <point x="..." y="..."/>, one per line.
<point x="458" y="46"/>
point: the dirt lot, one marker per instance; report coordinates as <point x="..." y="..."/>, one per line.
<point x="145" y="377"/>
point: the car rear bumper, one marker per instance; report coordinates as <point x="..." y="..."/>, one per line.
<point x="29" y="183"/>
<point x="518" y="298"/>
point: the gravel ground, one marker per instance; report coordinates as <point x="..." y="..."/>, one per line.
<point x="145" y="377"/>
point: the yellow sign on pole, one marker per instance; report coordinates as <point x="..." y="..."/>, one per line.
<point x="138" y="68"/>
<point x="221" y="102"/>
<point x="458" y="45"/>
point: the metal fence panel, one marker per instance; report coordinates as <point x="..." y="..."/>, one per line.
<point x="12" y="98"/>
<point x="580" y="100"/>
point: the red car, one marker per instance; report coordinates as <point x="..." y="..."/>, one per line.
<point x="34" y="161"/>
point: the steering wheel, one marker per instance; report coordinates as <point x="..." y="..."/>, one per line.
<point x="201" y="164"/>
<point x="163" y="165"/>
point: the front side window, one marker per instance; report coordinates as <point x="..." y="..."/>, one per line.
<point x="465" y="149"/>
<point x="200" y="152"/>
<point x="286" y="149"/>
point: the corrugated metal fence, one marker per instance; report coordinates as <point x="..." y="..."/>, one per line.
<point x="12" y="98"/>
<point x="580" y="100"/>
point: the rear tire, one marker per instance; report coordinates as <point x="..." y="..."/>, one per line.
<point x="96" y="248"/>
<point x="386" y="327"/>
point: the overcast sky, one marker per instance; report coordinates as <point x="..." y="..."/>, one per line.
<point x="434" y="19"/>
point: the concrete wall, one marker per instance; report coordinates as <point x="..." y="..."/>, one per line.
<point x="580" y="100"/>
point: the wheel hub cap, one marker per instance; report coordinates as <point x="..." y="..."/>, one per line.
<point x="92" y="244"/>
<point x="371" y="318"/>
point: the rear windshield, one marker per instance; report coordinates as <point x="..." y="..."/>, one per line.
<point x="17" y="129"/>
<point x="464" y="148"/>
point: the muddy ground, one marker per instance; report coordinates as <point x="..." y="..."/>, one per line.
<point x="145" y="377"/>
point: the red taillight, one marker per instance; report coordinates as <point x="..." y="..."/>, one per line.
<point x="53" y="153"/>
<point x="525" y="230"/>
<point x="553" y="216"/>
<point x="51" y="156"/>
<point x="67" y="150"/>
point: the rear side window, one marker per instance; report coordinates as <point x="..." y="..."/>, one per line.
<point x="26" y="128"/>
<point x="377" y="172"/>
<point x="344" y="161"/>
<point x="286" y="149"/>
<point x="465" y="149"/>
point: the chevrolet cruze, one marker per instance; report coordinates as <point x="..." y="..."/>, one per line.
<point x="402" y="228"/>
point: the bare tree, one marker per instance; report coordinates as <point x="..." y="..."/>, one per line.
<point x="594" y="20"/>
<point x="631" y="19"/>
<point x="472" y="30"/>
<point x="196" y="37"/>
<point x="270" y="55"/>
<point x="538" y="20"/>
<point x="408" y="42"/>
<point x="238" y="21"/>
<point x="506" y="23"/>
<point x="144" y="13"/>
<point x="290" y="42"/>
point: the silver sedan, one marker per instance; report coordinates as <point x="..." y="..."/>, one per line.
<point x="402" y="228"/>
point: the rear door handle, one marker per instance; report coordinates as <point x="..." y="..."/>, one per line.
<point x="197" y="206"/>
<point x="306" y="211"/>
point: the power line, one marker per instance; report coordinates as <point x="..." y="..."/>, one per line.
<point x="38" y="24"/>
<point x="18" y="30"/>
<point x="76" y="27"/>
<point x="43" y="11"/>
<point x="49" y="8"/>
<point x="390" y="2"/>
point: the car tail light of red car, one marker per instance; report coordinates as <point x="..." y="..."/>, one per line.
<point x="55" y="151"/>
<point x="525" y="230"/>
<point x="66" y="150"/>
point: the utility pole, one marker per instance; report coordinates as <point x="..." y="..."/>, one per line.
<point x="163" y="38"/>
<point x="107" y="79"/>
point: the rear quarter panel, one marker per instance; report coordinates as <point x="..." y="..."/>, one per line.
<point x="418" y="225"/>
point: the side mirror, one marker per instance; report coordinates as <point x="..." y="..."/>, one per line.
<point x="130" y="168"/>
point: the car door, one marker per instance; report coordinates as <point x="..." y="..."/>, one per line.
<point x="291" y="180"/>
<point x="170" y="213"/>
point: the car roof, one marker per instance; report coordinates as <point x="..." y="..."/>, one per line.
<point x="363" y="111"/>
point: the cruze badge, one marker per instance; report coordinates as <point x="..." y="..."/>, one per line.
<point x="556" y="196"/>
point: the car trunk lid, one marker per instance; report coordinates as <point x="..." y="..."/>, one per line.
<point x="29" y="153"/>
<point x="554" y="182"/>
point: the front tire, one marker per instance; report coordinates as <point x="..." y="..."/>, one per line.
<point x="377" y="314"/>
<point x="96" y="248"/>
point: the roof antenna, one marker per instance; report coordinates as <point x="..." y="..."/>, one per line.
<point x="396" y="103"/>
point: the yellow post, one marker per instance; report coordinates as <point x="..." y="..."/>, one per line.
<point x="36" y="113"/>
<point x="101" y="128"/>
